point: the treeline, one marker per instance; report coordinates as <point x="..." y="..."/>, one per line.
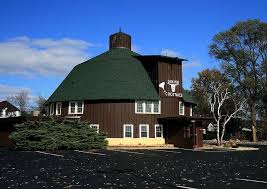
<point x="241" y="52"/>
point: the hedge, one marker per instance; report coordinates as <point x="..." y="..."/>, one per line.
<point x="52" y="135"/>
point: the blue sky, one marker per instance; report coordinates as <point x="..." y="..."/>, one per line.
<point x="41" y="41"/>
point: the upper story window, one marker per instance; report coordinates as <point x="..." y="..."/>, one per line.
<point x="147" y="107"/>
<point x="181" y="108"/>
<point x="58" y="108"/>
<point x="191" y="110"/>
<point x="76" y="107"/>
<point x="51" y="109"/>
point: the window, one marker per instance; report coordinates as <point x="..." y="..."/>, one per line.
<point x="144" y="131"/>
<point x="181" y="108"/>
<point x="95" y="126"/>
<point x="187" y="133"/>
<point x="147" y="107"/>
<point x="52" y="109"/>
<point x="191" y="110"/>
<point x="128" y="131"/>
<point x="156" y="107"/>
<point x="139" y="107"/>
<point x="158" y="131"/>
<point x="58" y="108"/>
<point x="72" y="107"/>
<point x="76" y="107"/>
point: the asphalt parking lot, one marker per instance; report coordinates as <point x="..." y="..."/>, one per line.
<point x="134" y="169"/>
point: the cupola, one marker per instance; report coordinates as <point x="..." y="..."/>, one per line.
<point x="120" y="40"/>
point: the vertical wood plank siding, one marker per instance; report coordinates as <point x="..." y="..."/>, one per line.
<point x="111" y="115"/>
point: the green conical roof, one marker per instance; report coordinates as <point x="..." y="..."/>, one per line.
<point x="113" y="75"/>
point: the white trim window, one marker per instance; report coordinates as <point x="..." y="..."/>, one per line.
<point x="76" y="107"/>
<point x="58" y="108"/>
<point x="144" y="131"/>
<point x="191" y="110"/>
<point x="128" y="131"/>
<point x="147" y="107"/>
<point x="158" y="131"/>
<point x="95" y="126"/>
<point x="51" y="109"/>
<point x="181" y="108"/>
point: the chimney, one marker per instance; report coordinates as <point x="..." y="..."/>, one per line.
<point x="120" y="40"/>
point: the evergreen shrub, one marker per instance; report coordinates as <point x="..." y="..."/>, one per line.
<point x="53" y="135"/>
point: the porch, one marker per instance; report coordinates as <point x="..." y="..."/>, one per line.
<point x="184" y="132"/>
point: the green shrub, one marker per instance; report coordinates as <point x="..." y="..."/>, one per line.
<point x="52" y="135"/>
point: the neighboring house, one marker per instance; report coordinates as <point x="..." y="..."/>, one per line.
<point x="134" y="99"/>
<point x="8" y="110"/>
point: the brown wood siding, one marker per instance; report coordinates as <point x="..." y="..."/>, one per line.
<point x="151" y="67"/>
<point x="111" y="116"/>
<point x="170" y="72"/>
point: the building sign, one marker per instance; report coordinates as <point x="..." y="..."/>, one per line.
<point x="173" y="84"/>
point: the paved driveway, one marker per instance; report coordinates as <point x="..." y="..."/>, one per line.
<point x="133" y="169"/>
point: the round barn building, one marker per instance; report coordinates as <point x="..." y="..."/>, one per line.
<point x="136" y="100"/>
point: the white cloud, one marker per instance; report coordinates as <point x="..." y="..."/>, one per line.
<point x="7" y="90"/>
<point x="31" y="57"/>
<point x="136" y="48"/>
<point x="192" y="64"/>
<point x="169" y="52"/>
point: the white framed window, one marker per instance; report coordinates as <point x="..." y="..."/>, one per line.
<point x="51" y="110"/>
<point x="144" y="131"/>
<point x="147" y="107"/>
<point x="156" y="107"/>
<point x="128" y="131"/>
<point x="139" y="107"/>
<point x="76" y="107"/>
<point x="58" y="108"/>
<point x="95" y="126"/>
<point x="158" y="131"/>
<point x="181" y="108"/>
<point x="191" y="110"/>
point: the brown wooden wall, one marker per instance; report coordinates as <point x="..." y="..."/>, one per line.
<point x="170" y="72"/>
<point x="111" y="115"/>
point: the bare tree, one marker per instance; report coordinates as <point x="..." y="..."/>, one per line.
<point x="41" y="104"/>
<point x="21" y="100"/>
<point x="217" y="101"/>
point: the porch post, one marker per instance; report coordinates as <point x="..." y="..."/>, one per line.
<point x="194" y="132"/>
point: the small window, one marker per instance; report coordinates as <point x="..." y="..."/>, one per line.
<point x="181" y="108"/>
<point x="158" y="131"/>
<point x="76" y="107"/>
<point x="139" y="107"/>
<point x="191" y="110"/>
<point x="58" y="108"/>
<point x="128" y="131"/>
<point x="79" y="107"/>
<point x="156" y="107"/>
<point x="187" y="132"/>
<point x="95" y="126"/>
<point x="52" y="109"/>
<point x="72" y="107"/>
<point x="144" y="130"/>
<point x="148" y="107"/>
